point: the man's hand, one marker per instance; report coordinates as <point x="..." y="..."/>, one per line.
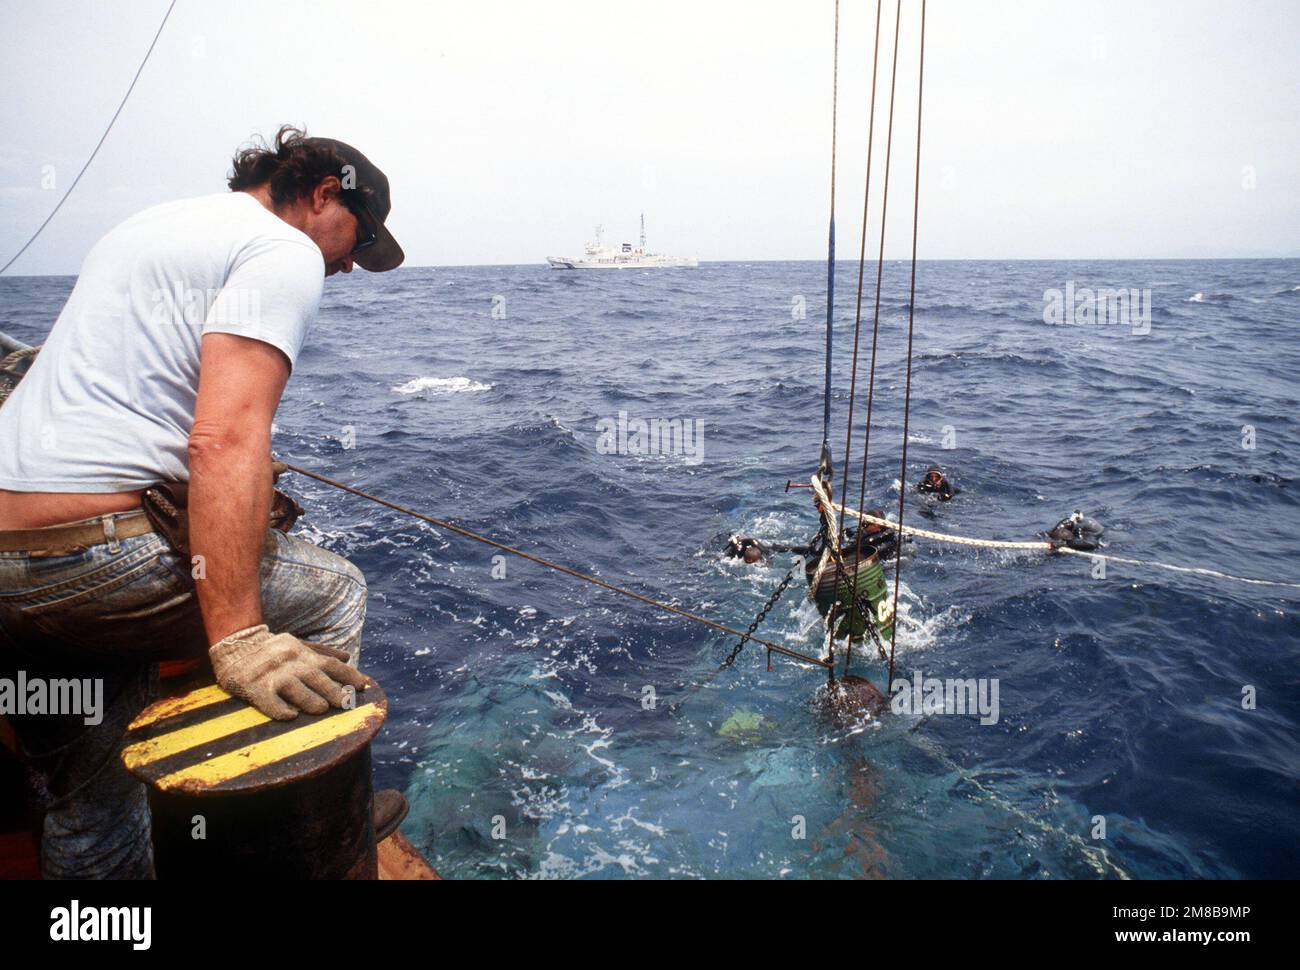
<point x="281" y="675"/>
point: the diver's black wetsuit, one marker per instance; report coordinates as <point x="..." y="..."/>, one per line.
<point x="1077" y="532"/>
<point x="737" y="545"/>
<point x="884" y="542"/>
<point x="936" y="483"/>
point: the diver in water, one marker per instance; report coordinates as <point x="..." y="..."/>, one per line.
<point x="875" y="538"/>
<point x="936" y="483"/>
<point x="746" y="548"/>
<point x="880" y="539"/>
<point x="1078" y="532"/>
<point x="752" y="551"/>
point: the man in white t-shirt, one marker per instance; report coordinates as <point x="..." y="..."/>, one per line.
<point x="166" y="365"/>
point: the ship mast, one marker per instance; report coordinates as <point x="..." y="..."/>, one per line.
<point x="643" y="232"/>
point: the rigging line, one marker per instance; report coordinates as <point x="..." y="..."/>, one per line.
<point x="911" y="316"/>
<point x="825" y="462"/>
<point x="880" y="263"/>
<point x="102" y="137"/>
<point x="830" y="249"/>
<point x="1099" y="859"/>
<point x="857" y="317"/>
<point x="440" y="523"/>
<point x="875" y="325"/>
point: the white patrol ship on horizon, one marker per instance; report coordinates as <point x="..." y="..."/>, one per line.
<point x="599" y="256"/>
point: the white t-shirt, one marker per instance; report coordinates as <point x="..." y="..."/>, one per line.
<point x="109" y="402"/>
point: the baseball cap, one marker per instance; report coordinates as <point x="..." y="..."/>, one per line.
<point x="366" y="177"/>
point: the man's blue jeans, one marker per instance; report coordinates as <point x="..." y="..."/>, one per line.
<point x="110" y="613"/>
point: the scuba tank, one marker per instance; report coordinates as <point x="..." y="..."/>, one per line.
<point x="1077" y="531"/>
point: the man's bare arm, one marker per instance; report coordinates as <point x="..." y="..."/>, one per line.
<point x="240" y="383"/>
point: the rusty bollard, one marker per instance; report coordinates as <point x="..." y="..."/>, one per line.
<point x="235" y="794"/>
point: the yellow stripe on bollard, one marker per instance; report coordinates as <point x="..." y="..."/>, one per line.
<point x="165" y="745"/>
<point x="251" y="757"/>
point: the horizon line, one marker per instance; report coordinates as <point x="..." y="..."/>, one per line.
<point x="937" y="259"/>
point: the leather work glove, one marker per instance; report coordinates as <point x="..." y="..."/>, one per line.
<point x="281" y="675"/>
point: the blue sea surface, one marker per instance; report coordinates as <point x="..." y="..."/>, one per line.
<point x="521" y="725"/>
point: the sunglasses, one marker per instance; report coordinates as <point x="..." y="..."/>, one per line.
<point x="366" y="234"/>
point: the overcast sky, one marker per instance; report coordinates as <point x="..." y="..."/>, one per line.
<point x="1052" y="128"/>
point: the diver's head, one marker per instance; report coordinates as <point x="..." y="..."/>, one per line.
<point x="875" y="514"/>
<point x="1064" y="530"/>
<point x="753" y="553"/>
<point x="934" y="475"/>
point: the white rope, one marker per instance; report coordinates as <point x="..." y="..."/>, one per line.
<point x="821" y="570"/>
<point x="1041" y="546"/>
<point x="831" y="551"/>
<point x="1180" y="569"/>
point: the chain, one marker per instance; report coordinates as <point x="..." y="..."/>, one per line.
<point x="762" y="615"/>
<point x="815" y="549"/>
<point x="864" y="610"/>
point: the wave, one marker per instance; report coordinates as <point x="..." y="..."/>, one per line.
<point x="433" y="386"/>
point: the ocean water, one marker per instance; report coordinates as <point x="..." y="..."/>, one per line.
<point x="519" y="722"/>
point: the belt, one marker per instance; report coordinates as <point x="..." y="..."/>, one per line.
<point x="55" y="540"/>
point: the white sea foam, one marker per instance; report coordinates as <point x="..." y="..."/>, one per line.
<point x="560" y="701"/>
<point x="431" y="386"/>
<point x="1198" y="298"/>
<point x="919" y="631"/>
<point x="617" y="824"/>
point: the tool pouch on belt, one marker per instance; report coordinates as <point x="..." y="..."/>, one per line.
<point x="166" y="505"/>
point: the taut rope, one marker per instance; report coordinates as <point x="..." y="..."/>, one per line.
<point x="100" y="144"/>
<point x="830" y="251"/>
<point x="467" y="533"/>
<point x="857" y="330"/>
<point x="1042" y="545"/>
<point x="911" y="307"/>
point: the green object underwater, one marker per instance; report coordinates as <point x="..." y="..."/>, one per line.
<point x="744" y="726"/>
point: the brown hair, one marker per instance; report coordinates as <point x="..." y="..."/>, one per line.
<point x="293" y="167"/>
